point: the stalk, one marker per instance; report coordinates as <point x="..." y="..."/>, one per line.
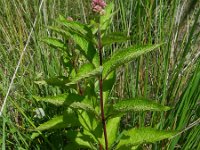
<point x="101" y="91"/>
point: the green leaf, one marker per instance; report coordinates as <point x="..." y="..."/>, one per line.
<point x="72" y="146"/>
<point x="112" y="127"/>
<point x="35" y="135"/>
<point x="136" y="137"/>
<point x="76" y="27"/>
<point x="112" y="130"/>
<point x="82" y="36"/>
<point x="55" y="81"/>
<point x="85" y="107"/>
<point x="108" y="86"/>
<point x="84" y="46"/>
<point x="78" y="140"/>
<point x="106" y="19"/>
<point x="88" y="122"/>
<point x="60" y="31"/>
<point x="60" y="100"/>
<point x="68" y="119"/>
<point x="54" y="123"/>
<point x="87" y="115"/>
<point x="86" y="71"/>
<point x="54" y="42"/>
<point x="126" y="55"/>
<point x="95" y="60"/>
<point x="115" y="37"/>
<point x="138" y="105"/>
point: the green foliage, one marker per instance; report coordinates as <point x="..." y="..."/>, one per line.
<point x="54" y="42"/>
<point x="60" y="100"/>
<point x="126" y="55"/>
<point x="170" y="75"/>
<point x="54" y="123"/>
<point x="83" y="99"/>
<point x="134" y="105"/>
<point x="106" y="19"/>
<point x="115" y="37"/>
<point x="81" y="35"/>
<point x="85" y="107"/>
<point x="87" y="110"/>
<point x="138" y="105"/>
<point x="113" y="128"/>
<point x="138" y="136"/>
<point x="78" y="140"/>
<point x="86" y="71"/>
<point x="54" y="81"/>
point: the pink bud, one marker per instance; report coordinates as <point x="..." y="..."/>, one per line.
<point x="69" y="19"/>
<point x="98" y="6"/>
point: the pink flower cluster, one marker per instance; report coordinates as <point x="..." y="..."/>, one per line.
<point x="98" y="6"/>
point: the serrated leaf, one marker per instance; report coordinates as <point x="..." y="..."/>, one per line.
<point x="114" y="37"/>
<point x="106" y="19"/>
<point x="86" y="71"/>
<point x="54" y="81"/>
<point x="76" y="27"/>
<point x="95" y="60"/>
<point x="68" y="119"/>
<point x="60" y="31"/>
<point x="85" y="47"/>
<point x="88" y="122"/>
<point x="112" y="130"/>
<point x="82" y="36"/>
<point x="126" y="55"/>
<point x="112" y="127"/>
<point x="54" y="123"/>
<point x="87" y="116"/>
<point x="137" y="136"/>
<point x="108" y="86"/>
<point x="138" y="105"/>
<point x="54" y="42"/>
<point x="85" y="107"/>
<point x="60" y="100"/>
<point x="78" y="140"/>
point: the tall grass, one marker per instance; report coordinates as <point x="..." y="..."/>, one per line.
<point x="172" y="75"/>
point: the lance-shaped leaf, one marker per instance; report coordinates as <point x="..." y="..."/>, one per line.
<point x="112" y="127"/>
<point x="60" y="31"/>
<point x="112" y="130"/>
<point x="85" y="107"/>
<point x="138" y="105"/>
<point x="114" y="37"/>
<point x="55" y="81"/>
<point x="135" y="104"/>
<point x="78" y="140"/>
<point x="75" y="27"/>
<point x="124" y="56"/>
<point x="60" y="100"/>
<point x="84" y="46"/>
<point x="86" y="71"/>
<point x="134" y="137"/>
<point x="106" y="19"/>
<point x="54" y="42"/>
<point x="69" y="119"/>
<point x="81" y="35"/>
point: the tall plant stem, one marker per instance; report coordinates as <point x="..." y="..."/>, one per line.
<point x="101" y="91"/>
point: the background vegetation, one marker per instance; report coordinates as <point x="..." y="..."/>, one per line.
<point x="170" y="75"/>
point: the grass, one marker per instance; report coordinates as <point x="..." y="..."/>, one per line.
<point x="172" y="75"/>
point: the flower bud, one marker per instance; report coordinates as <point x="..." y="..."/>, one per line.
<point x="98" y="6"/>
